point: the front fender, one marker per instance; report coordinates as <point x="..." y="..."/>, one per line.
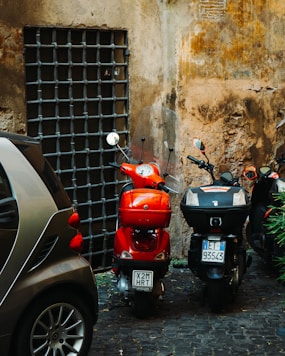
<point x="216" y="272"/>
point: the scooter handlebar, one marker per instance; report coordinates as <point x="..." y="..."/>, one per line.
<point x="163" y="187"/>
<point x="281" y="160"/>
<point x="114" y="164"/>
<point x="200" y="163"/>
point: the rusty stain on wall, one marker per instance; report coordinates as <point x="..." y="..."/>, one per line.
<point x="232" y="82"/>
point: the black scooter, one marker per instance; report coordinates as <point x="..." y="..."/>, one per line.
<point x="266" y="185"/>
<point x="217" y="213"/>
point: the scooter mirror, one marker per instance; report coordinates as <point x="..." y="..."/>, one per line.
<point x="264" y="170"/>
<point x="112" y="138"/>
<point x="199" y="144"/>
<point x="226" y="176"/>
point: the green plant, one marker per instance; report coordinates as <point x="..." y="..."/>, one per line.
<point x="105" y="278"/>
<point x="276" y="227"/>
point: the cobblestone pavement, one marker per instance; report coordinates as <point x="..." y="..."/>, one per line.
<point x="182" y="325"/>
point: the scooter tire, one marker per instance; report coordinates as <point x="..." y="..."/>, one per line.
<point x="216" y="289"/>
<point x="143" y="304"/>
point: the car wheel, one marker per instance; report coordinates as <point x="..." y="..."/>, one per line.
<point x="55" y="324"/>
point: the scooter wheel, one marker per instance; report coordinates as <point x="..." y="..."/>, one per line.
<point x="216" y="294"/>
<point x="143" y="304"/>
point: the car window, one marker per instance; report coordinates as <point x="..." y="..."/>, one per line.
<point x="5" y="190"/>
<point x="5" y="187"/>
<point x="33" y="153"/>
<point x="31" y="149"/>
<point x="8" y="204"/>
<point x="9" y="217"/>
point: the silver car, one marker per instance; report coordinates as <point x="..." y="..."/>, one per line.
<point x="48" y="293"/>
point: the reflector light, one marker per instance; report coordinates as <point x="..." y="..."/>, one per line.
<point x="215" y="189"/>
<point x="267" y="213"/>
<point x="239" y="198"/>
<point x="273" y="175"/>
<point x="115" y="270"/>
<point x="192" y="198"/>
<point x="76" y="243"/>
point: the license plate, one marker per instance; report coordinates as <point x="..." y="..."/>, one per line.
<point x="142" y="280"/>
<point x="213" y="251"/>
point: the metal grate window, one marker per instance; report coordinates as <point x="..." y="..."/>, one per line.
<point x="77" y="92"/>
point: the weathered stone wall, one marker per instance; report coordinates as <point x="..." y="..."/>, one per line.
<point x="219" y="64"/>
<point x="229" y="88"/>
<point x="231" y="78"/>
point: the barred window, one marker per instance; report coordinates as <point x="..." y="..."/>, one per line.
<point x="77" y="92"/>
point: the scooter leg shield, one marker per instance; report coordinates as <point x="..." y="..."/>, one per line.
<point x="256" y="218"/>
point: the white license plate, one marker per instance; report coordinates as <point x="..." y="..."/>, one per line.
<point x="142" y="280"/>
<point x="213" y="251"/>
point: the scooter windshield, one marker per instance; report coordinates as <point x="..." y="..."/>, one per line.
<point x="153" y="141"/>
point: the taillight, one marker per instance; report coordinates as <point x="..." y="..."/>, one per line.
<point x="74" y="220"/>
<point x="215" y="230"/>
<point x="144" y="240"/>
<point x="76" y="243"/>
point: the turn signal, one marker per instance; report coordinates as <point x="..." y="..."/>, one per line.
<point x="160" y="256"/>
<point x="126" y="254"/>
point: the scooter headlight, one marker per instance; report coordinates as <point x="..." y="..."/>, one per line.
<point x="126" y="255"/>
<point x="239" y="198"/>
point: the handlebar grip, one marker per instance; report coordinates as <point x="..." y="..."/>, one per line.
<point x="163" y="187"/>
<point x="280" y="161"/>
<point x="114" y="164"/>
<point x="193" y="159"/>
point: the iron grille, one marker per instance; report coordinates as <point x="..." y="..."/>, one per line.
<point x="77" y="92"/>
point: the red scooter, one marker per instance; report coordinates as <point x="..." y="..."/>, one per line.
<point x="141" y="245"/>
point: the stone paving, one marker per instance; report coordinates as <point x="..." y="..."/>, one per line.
<point x="183" y="325"/>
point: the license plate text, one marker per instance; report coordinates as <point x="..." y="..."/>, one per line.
<point x="142" y="280"/>
<point x="213" y="251"/>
